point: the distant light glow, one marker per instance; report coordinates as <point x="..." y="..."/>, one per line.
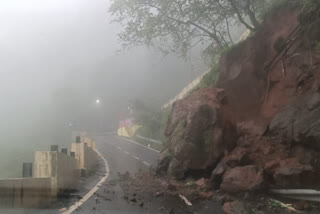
<point x="98" y="101"/>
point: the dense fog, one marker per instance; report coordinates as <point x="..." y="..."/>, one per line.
<point x="57" y="57"/>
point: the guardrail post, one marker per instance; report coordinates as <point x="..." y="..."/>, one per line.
<point x="78" y="139"/>
<point x="27" y="170"/>
<point x="64" y="151"/>
<point x="54" y="148"/>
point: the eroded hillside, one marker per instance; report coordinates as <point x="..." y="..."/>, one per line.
<point x="259" y="129"/>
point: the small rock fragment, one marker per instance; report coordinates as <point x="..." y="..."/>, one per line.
<point x="235" y="207"/>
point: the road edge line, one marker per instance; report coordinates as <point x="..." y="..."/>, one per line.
<point x="77" y="204"/>
<point x="139" y="144"/>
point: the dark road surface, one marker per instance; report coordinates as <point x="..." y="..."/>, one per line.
<point x="122" y="155"/>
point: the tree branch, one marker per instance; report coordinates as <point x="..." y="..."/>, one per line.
<point x="235" y="8"/>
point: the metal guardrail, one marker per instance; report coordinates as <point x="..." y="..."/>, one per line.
<point x="299" y="194"/>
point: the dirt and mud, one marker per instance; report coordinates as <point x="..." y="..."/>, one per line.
<point x="259" y="129"/>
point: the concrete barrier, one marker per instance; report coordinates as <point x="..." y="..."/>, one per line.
<point x="53" y="172"/>
<point x="26" y="193"/>
<point x="60" y="167"/>
<point x="86" y="156"/>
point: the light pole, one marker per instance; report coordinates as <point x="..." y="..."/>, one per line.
<point x="98" y="104"/>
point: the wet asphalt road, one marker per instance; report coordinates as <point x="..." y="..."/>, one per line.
<point x="123" y="156"/>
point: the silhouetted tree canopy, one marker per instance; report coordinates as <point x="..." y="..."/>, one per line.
<point x="178" y="25"/>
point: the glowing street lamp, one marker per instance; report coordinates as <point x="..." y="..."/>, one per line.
<point x="98" y="101"/>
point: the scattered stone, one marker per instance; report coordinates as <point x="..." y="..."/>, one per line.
<point x="235" y="207"/>
<point x="298" y="176"/>
<point x="134" y="200"/>
<point x="205" y="195"/>
<point x="246" y="178"/>
<point x="302" y="205"/>
<point x="201" y="182"/>
<point x="171" y="211"/>
<point x="141" y="203"/>
<point x="62" y="209"/>
<point x="158" y="194"/>
<point x="175" y="183"/>
<point x="172" y="187"/>
<point x="161" y="208"/>
<point x="97" y="200"/>
<point x="107" y="199"/>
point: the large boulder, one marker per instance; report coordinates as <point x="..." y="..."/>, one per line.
<point x="199" y="133"/>
<point x="245" y="178"/>
<point x="299" y="123"/>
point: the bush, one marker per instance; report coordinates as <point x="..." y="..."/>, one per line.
<point x="152" y="120"/>
<point x="210" y="78"/>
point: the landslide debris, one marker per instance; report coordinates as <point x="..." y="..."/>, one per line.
<point x="260" y="128"/>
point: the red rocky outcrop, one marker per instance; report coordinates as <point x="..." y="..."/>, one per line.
<point x="199" y="133"/>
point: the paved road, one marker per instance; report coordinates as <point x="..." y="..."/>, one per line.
<point x="122" y="156"/>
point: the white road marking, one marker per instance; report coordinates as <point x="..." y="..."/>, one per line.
<point x="93" y="190"/>
<point x="132" y="141"/>
<point x="127" y="152"/>
<point x="148" y="164"/>
<point x="136" y="157"/>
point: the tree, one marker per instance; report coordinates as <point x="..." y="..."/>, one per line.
<point x="178" y="25"/>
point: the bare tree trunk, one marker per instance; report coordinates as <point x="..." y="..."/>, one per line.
<point x="241" y="19"/>
<point x="212" y="35"/>
<point x="252" y="16"/>
<point x="228" y="30"/>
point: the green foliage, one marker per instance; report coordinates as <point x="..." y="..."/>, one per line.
<point x="209" y="79"/>
<point x="309" y="5"/>
<point x="177" y="26"/>
<point x="152" y="120"/>
<point x="275" y="204"/>
<point x="310" y="8"/>
<point x="251" y="210"/>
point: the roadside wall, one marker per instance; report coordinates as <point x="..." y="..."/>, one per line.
<point x="60" y="167"/>
<point x="53" y="172"/>
<point x="90" y="143"/>
<point x="26" y="192"/>
<point x="85" y="155"/>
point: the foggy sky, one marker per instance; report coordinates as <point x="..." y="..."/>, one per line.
<point x="58" y="56"/>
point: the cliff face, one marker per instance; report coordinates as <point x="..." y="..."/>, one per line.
<point x="262" y="124"/>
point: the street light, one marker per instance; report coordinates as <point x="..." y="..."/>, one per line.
<point x="98" y="101"/>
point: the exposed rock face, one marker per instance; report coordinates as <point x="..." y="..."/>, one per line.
<point x="242" y="71"/>
<point x="246" y="178"/>
<point x="262" y="129"/>
<point x="199" y="133"/>
<point x="290" y="173"/>
<point x="299" y="122"/>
